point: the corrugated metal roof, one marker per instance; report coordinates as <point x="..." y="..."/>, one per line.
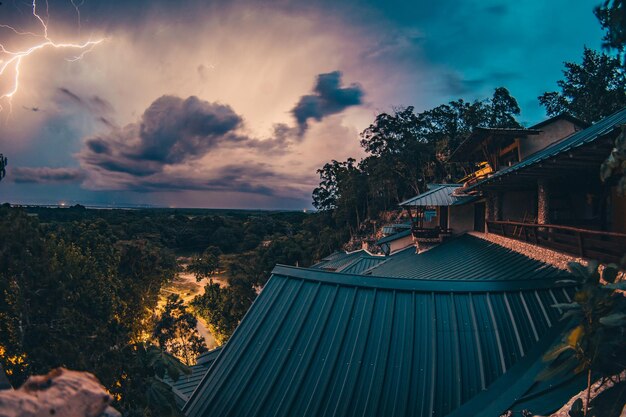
<point x="363" y="264"/>
<point x="317" y="343"/>
<point x="440" y="195"/>
<point x="394" y="228"/>
<point x="466" y="257"/>
<point x="340" y="261"/>
<point x="186" y="384"/>
<point x="393" y="237"/>
<point x="573" y="141"/>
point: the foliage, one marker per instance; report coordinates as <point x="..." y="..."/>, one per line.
<point x="406" y="151"/>
<point x="223" y="308"/>
<point x="205" y="265"/>
<point x="615" y="164"/>
<point x="596" y="341"/>
<point x="175" y="332"/>
<point x="591" y="90"/>
<point x="612" y="17"/>
<point x="72" y="295"/>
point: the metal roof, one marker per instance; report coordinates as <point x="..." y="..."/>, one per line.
<point x="318" y="343"/>
<point x="340" y="260"/>
<point x="393" y="237"/>
<point x="572" y="142"/>
<point x="186" y="384"/>
<point x="363" y="264"/>
<point x="440" y="195"/>
<point x="466" y="257"/>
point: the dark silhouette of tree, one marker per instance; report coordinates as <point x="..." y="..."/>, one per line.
<point x="591" y="90"/>
<point x="3" y="164"/>
<point x="175" y="332"/>
<point x="612" y="17"/>
<point x="205" y="265"/>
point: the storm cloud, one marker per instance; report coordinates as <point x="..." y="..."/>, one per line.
<point x="46" y="175"/>
<point x="172" y="130"/>
<point x="328" y="98"/>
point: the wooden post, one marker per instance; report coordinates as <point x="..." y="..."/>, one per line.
<point x="581" y="247"/>
<point x="543" y="202"/>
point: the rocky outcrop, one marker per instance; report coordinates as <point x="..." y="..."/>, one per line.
<point x="59" y="393"/>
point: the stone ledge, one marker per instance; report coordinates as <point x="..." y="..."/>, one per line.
<point x="59" y="393"/>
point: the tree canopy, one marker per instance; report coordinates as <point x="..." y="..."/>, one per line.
<point x="591" y="90"/>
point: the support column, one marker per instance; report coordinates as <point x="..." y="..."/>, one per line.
<point x="543" y="202"/>
<point x="497" y="205"/>
<point x="489" y="206"/>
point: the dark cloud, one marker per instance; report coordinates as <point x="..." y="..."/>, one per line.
<point x="328" y="98"/>
<point x="96" y="105"/>
<point x="171" y="131"/>
<point x="45" y="175"/>
<point x="72" y="96"/>
<point x="248" y="177"/>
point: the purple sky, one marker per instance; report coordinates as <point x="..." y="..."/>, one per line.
<point x="237" y="103"/>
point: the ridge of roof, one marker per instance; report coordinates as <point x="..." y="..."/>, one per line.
<point x="442" y="195"/>
<point x="417" y="284"/>
<point x="563" y="115"/>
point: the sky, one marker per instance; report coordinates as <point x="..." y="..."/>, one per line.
<point x="236" y="104"/>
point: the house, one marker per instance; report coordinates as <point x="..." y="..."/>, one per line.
<point x="458" y="330"/>
<point x="554" y="196"/>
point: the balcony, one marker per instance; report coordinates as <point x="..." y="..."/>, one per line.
<point x="608" y="247"/>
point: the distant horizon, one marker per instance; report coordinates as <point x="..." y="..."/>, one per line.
<point x="89" y="206"/>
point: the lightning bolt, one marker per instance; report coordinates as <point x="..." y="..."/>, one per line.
<point x="12" y="60"/>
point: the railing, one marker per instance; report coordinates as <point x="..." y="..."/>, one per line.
<point x="591" y="244"/>
<point x="428" y="234"/>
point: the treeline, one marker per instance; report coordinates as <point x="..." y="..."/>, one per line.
<point x="79" y="288"/>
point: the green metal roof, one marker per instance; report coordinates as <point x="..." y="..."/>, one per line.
<point x="318" y="343"/>
<point x="185" y="385"/>
<point x="466" y="257"/>
<point x="439" y="195"/>
<point x="393" y="237"/>
<point x="363" y="264"/>
<point x="576" y="140"/>
<point x="340" y="260"/>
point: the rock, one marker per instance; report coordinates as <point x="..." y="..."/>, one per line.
<point x="59" y="393"/>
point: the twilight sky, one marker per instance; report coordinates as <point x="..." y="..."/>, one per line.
<point x="237" y="103"/>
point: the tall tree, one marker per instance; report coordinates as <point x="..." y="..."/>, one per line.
<point x="175" y="331"/>
<point x="396" y="140"/>
<point x="591" y="90"/>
